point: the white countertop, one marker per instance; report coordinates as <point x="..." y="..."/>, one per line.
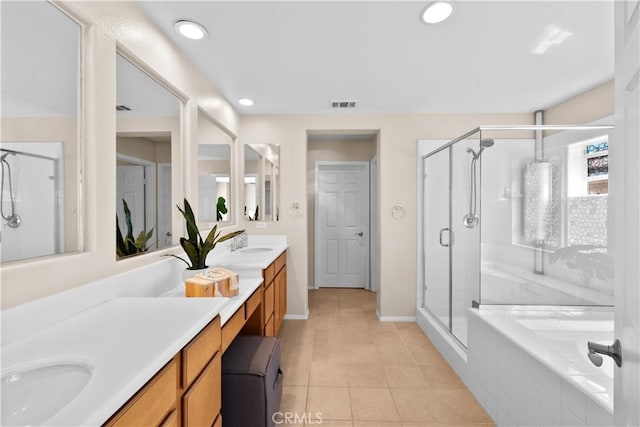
<point x="247" y="286"/>
<point x="243" y="260"/>
<point x="125" y="340"/>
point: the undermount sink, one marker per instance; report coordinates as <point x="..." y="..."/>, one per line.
<point x="31" y="394"/>
<point x="255" y="250"/>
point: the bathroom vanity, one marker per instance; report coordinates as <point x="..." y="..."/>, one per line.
<point x="145" y="354"/>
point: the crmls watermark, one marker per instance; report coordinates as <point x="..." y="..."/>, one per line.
<point x="307" y="418"/>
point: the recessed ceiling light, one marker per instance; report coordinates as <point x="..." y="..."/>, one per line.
<point x="246" y="102"/>
<point x="437" y="11"/>
<point x="191" y="30"/>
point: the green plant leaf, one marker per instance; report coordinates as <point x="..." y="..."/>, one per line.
<point x="192" y="227"/>
<point x="192" y="252"/>
<point x="229" y="236"/>
<point x="211" y="237"/>
<point x="120" y="246"/>
<point x="127" y="218"/>
<point x="180" y="258"/>
<point x="141" y="241"/>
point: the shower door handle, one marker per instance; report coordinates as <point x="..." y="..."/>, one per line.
<point x="446" y="245"/>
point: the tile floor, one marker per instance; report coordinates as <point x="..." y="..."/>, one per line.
<point x="352" y="370"/>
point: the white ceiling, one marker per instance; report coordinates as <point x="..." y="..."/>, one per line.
<point x="296" y="56"/>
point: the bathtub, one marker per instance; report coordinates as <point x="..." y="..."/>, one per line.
<point x="528" y="365"/>
<point x="505" y="284"/>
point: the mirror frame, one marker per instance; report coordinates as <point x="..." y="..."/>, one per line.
<point x="177" y="157"/>
<point x="274" y="173"/>
<point x="231" y="204"/>
<point x="79" y="156"/>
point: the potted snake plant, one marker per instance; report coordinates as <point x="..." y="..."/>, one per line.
<point x="194" y="245"/>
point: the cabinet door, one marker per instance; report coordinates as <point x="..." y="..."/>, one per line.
<point x="199" y="351"/>
<point x="269" y="330"/>
<point x="283" y="292"/>
<point x="202" y="402"/>
<point x="277" y="313"/>
<point x="151" y="404"/>
<point x="269" y="301"/>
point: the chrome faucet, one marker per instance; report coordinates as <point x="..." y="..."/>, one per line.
<point x="239" y="242"/>
<point x="595" y="350"/>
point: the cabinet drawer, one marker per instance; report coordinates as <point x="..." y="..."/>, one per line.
<point x="269" y="301"/>
<point x="202" y="402"/>
<point x="232" y="327"/>
<point x="151" y="404"/>
<point x="281" y="261"/>
<point x="199" y="351"/>
<point x="269" y="273"/>
<point x="269" y="330"/>
<point x="252" y="303"/>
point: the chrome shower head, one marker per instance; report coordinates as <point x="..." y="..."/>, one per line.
<point x="486" y="143"/>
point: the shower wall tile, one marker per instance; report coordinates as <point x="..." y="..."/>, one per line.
<point x="596" y="416"/>
<point x="587" y="221"/>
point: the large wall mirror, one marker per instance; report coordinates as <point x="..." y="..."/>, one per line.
<point x="214" y="173"/>
<point x="261" y="182"/>
<point x="40" y="131"/>
<point x="148" y="125"/>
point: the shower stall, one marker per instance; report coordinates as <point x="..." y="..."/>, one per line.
<point x="514" y="223"/>
<point x="514" y="215"/>
<point x="32" y="194"/>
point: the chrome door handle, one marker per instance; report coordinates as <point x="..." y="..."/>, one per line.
<point x="360" y="234"/>
<point x="614" y="351"/>
<point x="440" y="237"/>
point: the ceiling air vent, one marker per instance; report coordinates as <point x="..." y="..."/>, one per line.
<point x="343" y="104"/>
<point x="121" y="107"/>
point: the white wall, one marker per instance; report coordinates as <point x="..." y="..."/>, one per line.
<point x="396" y="150"/>
<point x="107" y="25"/>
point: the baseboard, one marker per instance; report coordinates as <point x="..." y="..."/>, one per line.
<point x="297" y="316"/>
<point x="395" y="318"/>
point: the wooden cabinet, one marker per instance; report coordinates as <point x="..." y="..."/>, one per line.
<point x="267" y="318"/>
<point x="201" y="403"/>
<point x="151" y="405"/>
<point x="275" y="300"/>
<point x="185" y="392"/>
<point x="280" y="308"/>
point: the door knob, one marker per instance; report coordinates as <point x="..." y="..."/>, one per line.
<point x="360" y="234"/>
<point x="168" y="234"/>
<point x="614" y="351"/>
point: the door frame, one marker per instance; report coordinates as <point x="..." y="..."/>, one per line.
<point x="373" y="224"/>
<point x="625" y="156"/>
<point x="328" y="163"/>
<point x="150" y="188"/>
<point x="161" y="194"/>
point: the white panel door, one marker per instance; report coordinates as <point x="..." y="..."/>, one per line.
<point x="342" y="224"/>
<point x="130" y="187"/>
<point x="627" y="211"/>
<point x="207" y="198"/>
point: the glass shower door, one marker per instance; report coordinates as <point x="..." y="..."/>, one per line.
<point x="436" y="219"/>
